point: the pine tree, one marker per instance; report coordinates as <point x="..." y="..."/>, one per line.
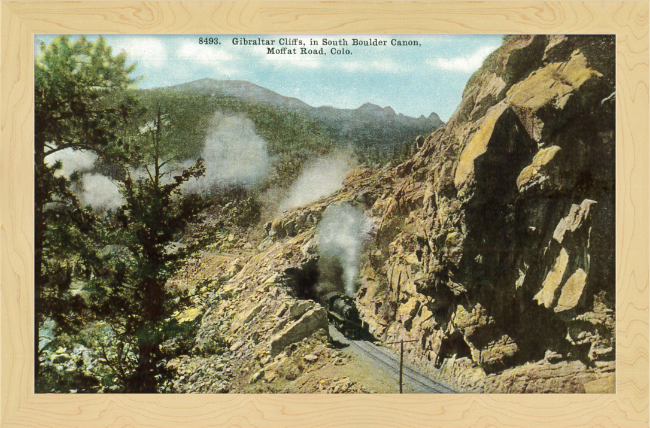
<point x="135" y="300"/>
<point x="73" y="82"/>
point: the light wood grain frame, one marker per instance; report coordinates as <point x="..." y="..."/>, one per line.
<point x="20" y="407"/>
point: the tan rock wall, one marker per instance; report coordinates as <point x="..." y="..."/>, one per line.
<point x="512" y="237"/>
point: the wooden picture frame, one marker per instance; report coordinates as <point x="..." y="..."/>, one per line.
<point x="20" y="407"/>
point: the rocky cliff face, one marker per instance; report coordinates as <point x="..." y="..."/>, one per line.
<point x="497" y="245"/>
<point x="492" y="249"/>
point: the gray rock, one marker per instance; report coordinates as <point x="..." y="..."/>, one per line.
<point x="577" y="215"/>
<point x="257" y="376"/>
<point x="236" y="346"/>
<point x="310" y="358"/>
<point x="299" y="308"/>
<point x="281" y="311"/>
<point x="314" y="320"/>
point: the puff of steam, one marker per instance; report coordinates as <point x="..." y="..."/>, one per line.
<point x="233" y="154"/>
<point x="321" y="178"/>
<point x="100" y="192"/>
<point x="72" y="160"/>
<point x="341" y="234"/>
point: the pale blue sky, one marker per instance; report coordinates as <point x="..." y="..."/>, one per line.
<point x="413" y="80"/>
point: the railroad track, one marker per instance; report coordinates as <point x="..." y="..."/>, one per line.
<point x="388" y="362"/>
<point x="412" y="379"/>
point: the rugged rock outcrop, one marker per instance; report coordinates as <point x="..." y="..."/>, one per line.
<point x="491" y="250"/>
<point x="497" y="246"/>
<point x="256" y="306"/>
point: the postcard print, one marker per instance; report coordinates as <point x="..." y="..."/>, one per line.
<point x="325" y="214"/>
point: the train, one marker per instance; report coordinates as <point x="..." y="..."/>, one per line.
<point x="344" y="315"/>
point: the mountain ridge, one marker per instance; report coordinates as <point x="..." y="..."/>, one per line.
<point x="249" y="91"/>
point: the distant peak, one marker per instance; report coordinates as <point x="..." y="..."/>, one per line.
<point x="434" y="117"/>
<point x="370" y="107"/>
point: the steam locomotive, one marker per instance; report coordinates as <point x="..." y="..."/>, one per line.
<point x="343" y="313"/>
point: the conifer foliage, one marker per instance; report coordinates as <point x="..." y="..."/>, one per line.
<point x="153" y="215"/>
<point x="72" y="81"/>
<point x="123" y="257"/>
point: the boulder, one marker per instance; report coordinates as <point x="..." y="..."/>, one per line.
<point x="546" y="295"/>
<point x="281" y="311"/>
<point x="236" y="346"/>
<point x="496" y="353"/>
<point x="311" y="358"/>
<point x="537" y="172"/>
<point x="572" y="291"/>
<point x="478" y="145"/>
<point x="312" y="321"/>
<point x="189" y="315"/>
<point x="299" y="308"/>
<point x="548" y="89"/>
<point x="247" y="315"/>
<point x="574" y="220"/>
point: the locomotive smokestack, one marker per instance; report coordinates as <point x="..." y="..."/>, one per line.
<point x="341" y="234"/>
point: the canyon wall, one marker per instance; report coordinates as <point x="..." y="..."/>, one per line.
<point x="495" y="249"/>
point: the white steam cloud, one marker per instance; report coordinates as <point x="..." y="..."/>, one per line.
<point x="341" y="235"/>
<point x="96" y="190"/>
<point x="233" y="154"/>
<point x="319" y="179"/>
<point x="72" y="160"/>
<point x="100" y="191"/>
